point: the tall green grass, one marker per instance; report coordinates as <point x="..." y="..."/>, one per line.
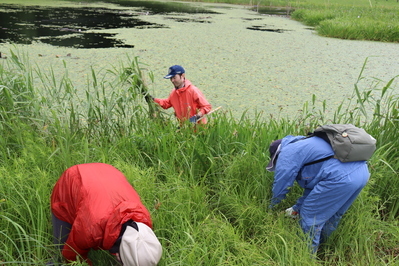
<point x="353" y="20"/>
<point x="355" y="23"/>
<point x="206" y="188"/>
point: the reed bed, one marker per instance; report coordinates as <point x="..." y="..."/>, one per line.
<point x="206" y="188"/>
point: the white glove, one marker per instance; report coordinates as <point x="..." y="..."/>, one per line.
<point x="291" y="213"/>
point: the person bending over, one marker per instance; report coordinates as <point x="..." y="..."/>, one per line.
<point x="94" y="207"/>
<point x="330" y="186"/>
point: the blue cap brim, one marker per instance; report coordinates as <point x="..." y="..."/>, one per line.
<point x="271" y="167"/>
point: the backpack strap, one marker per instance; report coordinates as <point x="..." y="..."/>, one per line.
<point x="323" y="136"/>
<point x="320" y="134"/>
<point x="319" y="160"/>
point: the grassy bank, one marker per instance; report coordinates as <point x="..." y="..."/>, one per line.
<point x="353" y="20"/>
<point x="207" y="189"/>
<point x="353" y="23"/>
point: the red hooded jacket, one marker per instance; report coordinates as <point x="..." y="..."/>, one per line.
<point x="186" y="102"/>
<point x="96" y="199"/>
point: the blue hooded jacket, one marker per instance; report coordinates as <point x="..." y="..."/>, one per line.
<point x="295" y="152"/>
<point x="330" y="186"/>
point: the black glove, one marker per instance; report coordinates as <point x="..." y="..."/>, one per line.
<point x="146" y="94"/>
<point x="194" y="118"/>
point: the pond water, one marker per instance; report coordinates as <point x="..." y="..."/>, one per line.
<point x="241" y="59"/>
<point x="82" y="26"/>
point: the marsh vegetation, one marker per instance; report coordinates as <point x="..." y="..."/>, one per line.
<point x="207" y="189"/>
<point x="242" y="60"/>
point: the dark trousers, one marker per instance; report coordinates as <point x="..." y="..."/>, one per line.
<point x="61" y="231"/>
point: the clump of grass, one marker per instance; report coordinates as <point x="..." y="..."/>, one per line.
<point x="354" y="23"/>
<point x="313" y="17"/>
<point x="360" y="29"/>
<point x="135" y="75"/>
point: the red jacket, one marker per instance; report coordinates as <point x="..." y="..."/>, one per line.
<point x="96" y="199"/>
<point x="186" y="102"/>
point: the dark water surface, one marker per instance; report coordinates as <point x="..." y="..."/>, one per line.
<point x="81" y="27"/>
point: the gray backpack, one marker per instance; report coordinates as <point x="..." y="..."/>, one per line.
<point x="349" y="143"/>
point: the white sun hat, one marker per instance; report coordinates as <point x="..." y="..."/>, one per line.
<point x="140" y="248"/>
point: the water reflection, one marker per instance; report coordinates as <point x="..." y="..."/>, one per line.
<point x="155" y="7"/>
<point x="81" y="27"/>
<point x="266" y="28"/>
<point x="276" y="11"/>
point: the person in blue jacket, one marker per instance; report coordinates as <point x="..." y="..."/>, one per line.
<point x="330" y="186"/>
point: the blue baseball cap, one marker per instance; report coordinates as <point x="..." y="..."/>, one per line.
<point x="174" y="70"/>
